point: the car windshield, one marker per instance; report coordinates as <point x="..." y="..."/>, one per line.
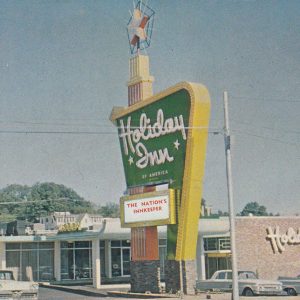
<point x="6" y="276"/>
<point x="247" y="275"/>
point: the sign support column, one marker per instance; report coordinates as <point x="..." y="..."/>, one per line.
<point x="144" y="240"/>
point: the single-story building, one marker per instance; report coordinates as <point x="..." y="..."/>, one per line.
<point x="269" y="246"/>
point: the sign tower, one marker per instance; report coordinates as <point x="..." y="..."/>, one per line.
<point x="163" y="144"/>
<point x="144" y="240"/>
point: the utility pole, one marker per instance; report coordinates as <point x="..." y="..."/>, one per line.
<point x="235" y="287"/>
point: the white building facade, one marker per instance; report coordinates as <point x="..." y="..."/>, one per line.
<point x="103" y="255"/>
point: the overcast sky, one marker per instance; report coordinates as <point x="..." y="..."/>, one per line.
<point x="64" y="65"/>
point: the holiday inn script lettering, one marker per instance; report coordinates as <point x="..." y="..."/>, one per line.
<point x="134" y="138"/>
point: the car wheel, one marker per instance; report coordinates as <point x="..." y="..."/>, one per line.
<point x="248" y="292"/>
<point x="291" y="292"/>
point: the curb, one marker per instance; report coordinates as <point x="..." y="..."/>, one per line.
<point x="139" y="295"/>
<point x="80" y="291"/>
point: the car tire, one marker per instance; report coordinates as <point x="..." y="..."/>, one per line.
<point x="248" y="292"/>
<point x="291" y="292"/>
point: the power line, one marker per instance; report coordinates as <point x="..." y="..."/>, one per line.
<point x="214" y="132"/>
<point x="33" y="201"/>
<point x="55" y="132"/>
<point x="87" y="132"/>
<point x="265" y="138"/>
<point x="136" y="127"/>
<point x="54" y="123"/>
<point x="271" y="99"/>
<point x="266" y="127"/>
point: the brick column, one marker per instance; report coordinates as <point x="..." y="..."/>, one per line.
<point x="174" y="277"/>
<point x="173" y="280"/>
<point x="144" y="266"/>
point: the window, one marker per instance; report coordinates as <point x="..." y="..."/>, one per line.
<point x="13" y="246"/>
<point x="210" y="244"/>
<point x="162" y="248"/>
<point x="34" y="261"/>
<point x="221" y="275"/>
<point x="216" y="243"/>
<point x="246" y="275"/>
<point x="76" y="260"/>
<point x="213" y="264"/>
<point x="120" y="258"/>
<point x="102" y="258"/>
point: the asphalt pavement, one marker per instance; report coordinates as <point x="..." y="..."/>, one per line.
<point x="119" y="292"/>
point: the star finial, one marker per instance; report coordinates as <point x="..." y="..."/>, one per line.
<point x="139" y="27"/>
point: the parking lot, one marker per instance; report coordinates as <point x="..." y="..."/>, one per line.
<point x="89" y="293"/>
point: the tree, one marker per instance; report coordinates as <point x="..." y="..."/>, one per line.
<point x="255" y="209"/>
<point x="46" y="198"/>
<point x="109" y="210"/>
<point x="222" y="213"/>
<point x="13" y="194"/>
<point x="40" y="200"/>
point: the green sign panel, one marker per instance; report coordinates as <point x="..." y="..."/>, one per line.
<point x="153" y="141"/>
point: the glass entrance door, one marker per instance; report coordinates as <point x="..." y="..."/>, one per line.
<point x="116" y="262"/>
<point x="120" y="258"/>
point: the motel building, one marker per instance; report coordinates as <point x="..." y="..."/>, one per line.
<point x="269" y="246"/>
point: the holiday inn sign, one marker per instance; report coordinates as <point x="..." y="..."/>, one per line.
<point x="163" y="141"/>
<point x="153" y="141"/>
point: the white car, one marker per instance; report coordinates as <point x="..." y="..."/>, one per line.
<point x="249" y="284"/>
<point x="11" y="289"/>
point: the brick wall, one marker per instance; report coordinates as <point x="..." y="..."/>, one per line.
<point x="145" y="276"/>
<point x="255" y="251"/>
<point x="172" y="276"/>
<point x="189" y="277"/>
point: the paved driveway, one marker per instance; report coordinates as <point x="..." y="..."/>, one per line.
<point x="53" y="294"/>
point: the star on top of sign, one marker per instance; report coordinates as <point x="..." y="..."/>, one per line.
<point x="139" y="27"/>
<point x="130" y="160"/>
<point x="176" y="144"/>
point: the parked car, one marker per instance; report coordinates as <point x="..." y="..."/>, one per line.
<point x="12" y="289"/>
<point x="290" y="284"/>
<point x="249" y="284"/>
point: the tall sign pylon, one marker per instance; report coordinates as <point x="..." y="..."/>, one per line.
<point x="163" y="140"/>
<point x="144" y="240"/>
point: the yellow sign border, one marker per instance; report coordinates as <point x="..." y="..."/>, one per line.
<point x="189" y="214"/>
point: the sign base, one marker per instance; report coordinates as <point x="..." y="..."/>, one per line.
<point x="145" y="276"/>
<point x="188" y="276"/>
